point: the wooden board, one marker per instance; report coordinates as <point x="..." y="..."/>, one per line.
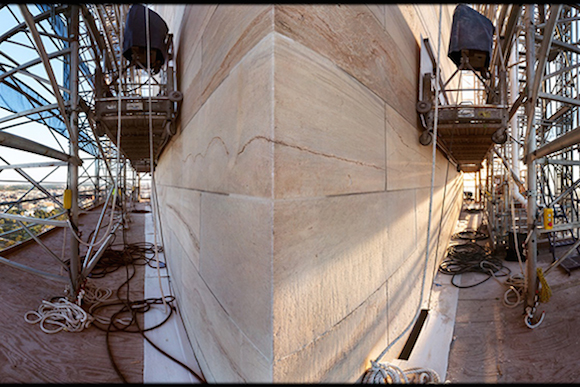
<point x="28" y="355"/>
<point x="492" y="344"/>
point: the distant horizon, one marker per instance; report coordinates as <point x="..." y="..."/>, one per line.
<point x="44" y="184"/>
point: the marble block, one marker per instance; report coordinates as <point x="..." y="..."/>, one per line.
<point x="329" y="129"/>
<point x="404" y="298"/>
<point x="328" y="259"/>
<point x="343" y="353"/>
<point x="236" y="262"/>
<point x="408" y="162"/>
<point x="352" y="38"/>
<point x="223" y="150"/>
<point x="226" y="354"/>
<point x="182" y="214"/>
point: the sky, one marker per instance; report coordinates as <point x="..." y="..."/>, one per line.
<point x="17" y="49"/>
<point x="40" y="134"/>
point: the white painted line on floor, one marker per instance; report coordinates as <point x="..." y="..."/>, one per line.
<point x="433" y="344"/>
<point x="171" y="336"/>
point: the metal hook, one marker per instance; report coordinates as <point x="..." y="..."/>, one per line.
<point x="528" y="319"/>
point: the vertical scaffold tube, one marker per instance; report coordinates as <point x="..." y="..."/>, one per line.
<point x="531" y="277"/>
<point x="74" y="149"/>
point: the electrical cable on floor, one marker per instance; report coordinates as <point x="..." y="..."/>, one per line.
<point x="62" y="315"/>
<point x="59" y="314"/>
<point x="128" y="257"/>
<point x="125" y="318"/>
<point x="470" y="235"/>
<point x="475" y="258"/>
<point x="134" y="253"/>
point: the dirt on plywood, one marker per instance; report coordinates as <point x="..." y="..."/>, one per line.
<point x="491" y="343"/>
<point x="28" y="355"/>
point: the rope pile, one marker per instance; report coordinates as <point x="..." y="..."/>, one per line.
<point x="470" y="235"/>
<point x="386" y="373"/>
<point x="106" y="314"/>
<point x="93" y="294"/>
<point x="59" y="315"/>
<point x="472" y="257"/>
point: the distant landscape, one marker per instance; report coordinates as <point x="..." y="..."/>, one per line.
<point x="17" y="200"/>
<point x="26" y="186"/>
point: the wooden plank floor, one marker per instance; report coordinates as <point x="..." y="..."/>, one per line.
<point x="28" y="355"/>
<point x="491" y="344"/>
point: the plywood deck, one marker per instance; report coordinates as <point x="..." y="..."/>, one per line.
<point x="491" y="344"/>
<point x="27" y="355"/>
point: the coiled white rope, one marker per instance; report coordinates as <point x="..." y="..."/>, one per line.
<point x="68" y="316"/>
<point x="386" y="373"/>
<point x="93" y="294"/>
<point x="516" y="283"/>
<point x="60" y="315"/>
<point x="517" y="286"/>
<point x="98" y="298"/>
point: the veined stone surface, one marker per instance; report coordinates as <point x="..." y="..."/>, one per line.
<point x="219" y="153"/>
<point x="295" y="195"/>
<point x="236" y="244"/>
<point x="329" y="131"/>
<point x="322" y="247"/>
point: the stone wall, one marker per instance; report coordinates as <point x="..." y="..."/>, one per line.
<point x="295" y="197"/>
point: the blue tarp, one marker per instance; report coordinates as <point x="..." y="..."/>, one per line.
<point x="13" y="94"/>
<point x="16" y="101"/>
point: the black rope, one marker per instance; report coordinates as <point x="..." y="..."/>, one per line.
<point x="132" y="255"/>
<point x="471" y="235"/>
<point x="138" y="254"/>
<point x="472" y="257"/>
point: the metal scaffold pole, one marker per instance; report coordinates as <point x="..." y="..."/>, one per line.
<point x="63" y="100"/>
<point x="531" y="277"/>
<point x="75" y="263"/>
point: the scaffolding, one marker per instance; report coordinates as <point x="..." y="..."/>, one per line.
<point x="63" y="68"/>
<point x="55" y="61"/>
<point x="528" y="137"/>
<point x="533" y="179"/>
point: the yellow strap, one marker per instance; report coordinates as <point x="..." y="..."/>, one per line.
<point x="545" y="291"/>
<point x="67" y="199"/>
